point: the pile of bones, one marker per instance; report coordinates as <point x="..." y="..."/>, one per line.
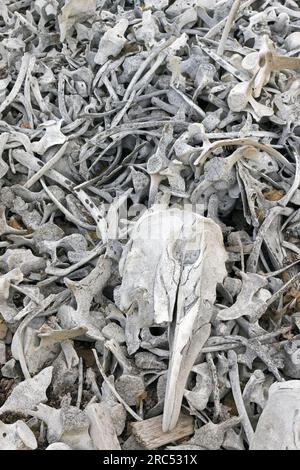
<point x="149" y="224"/>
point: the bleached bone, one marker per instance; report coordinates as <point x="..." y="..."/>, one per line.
<point x="28" y="393"/>
<point x="264" y="62"/>
<point x="58" y="446"/>
<point x="279" y="419"/>
<point x="131" y="384"/>
<point x="44" y="345"/>
<point x="5" y="228"/>
<point x="36" y="353"/>
<point x="65" y="371"/>
<point x="187" y="19"/>
<point x="75" y="11"/>
<point x="52" y="136"/>
<point x="8" y="311"/>
<point x="241" y="95"/>
<point x="250" y="301"/>
<point x="102" y="430"/>
<point x="292" y="41"/>
<point x="292" y="363"/>
<point x="23" y="260"/>
<point x="233" y="441"/>
<point x="86" y="289"/>
<point x="179" y="6"/>
<point x="163" y="275"/>
<point x="112" y="42"/>
<point x="116" y="409"/>
<point x="199" y="396"/>
<point x="211" y="436"/>
<point x="254" y="391"/>
<point x="148" y="31"/>
<point x="159" y="162"/>
<point x="68" y="425"/>
<point x="47" y="8"/>
<point x="156" y="4"/>
<point x="149" y="361"/>
<point x="71" y="243"/>
<point x="16" y="436"/>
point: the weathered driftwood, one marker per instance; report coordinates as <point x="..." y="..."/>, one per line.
<point x="150" y="435"/>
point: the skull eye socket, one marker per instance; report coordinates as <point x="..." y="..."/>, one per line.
<point x="156" y="330"/>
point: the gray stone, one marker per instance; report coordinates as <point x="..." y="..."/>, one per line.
<point x="130" y="387"/>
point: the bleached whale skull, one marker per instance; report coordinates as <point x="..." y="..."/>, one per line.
<point x="170" y="269"/>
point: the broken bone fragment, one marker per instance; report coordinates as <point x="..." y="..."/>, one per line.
<point x="29" y="393"/>
<point x="112" y="42"/>
<point x="279" y="425"/>
<point x="74" y="11"/>
<point x="16" y="436"/>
